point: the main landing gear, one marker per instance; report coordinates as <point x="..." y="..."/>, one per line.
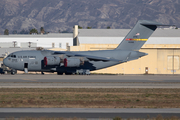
<point x="66" y="73"/>
<point x="59" y="73"/>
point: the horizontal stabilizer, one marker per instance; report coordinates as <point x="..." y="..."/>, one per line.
<point x="145" y="22"/>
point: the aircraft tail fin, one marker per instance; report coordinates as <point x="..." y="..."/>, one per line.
<point x="136" y="38"/>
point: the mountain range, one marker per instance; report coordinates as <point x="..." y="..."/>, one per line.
<point x="62" y="15"/>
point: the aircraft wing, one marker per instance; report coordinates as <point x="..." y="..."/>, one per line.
<point x="90" y="57"/>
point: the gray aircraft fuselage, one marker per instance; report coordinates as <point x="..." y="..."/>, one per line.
<point x="35" y="60"/>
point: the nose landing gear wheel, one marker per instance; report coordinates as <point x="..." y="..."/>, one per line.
<point x="13" y="72"/>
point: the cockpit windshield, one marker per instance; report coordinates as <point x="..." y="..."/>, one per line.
<point x="12" y="56"/>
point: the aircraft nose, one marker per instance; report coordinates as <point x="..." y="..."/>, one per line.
<point x="5" y="62"/>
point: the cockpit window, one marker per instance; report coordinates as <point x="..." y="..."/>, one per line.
<point x="12" y="56"/>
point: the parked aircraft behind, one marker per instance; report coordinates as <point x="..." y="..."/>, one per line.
<point x="69" y="62"/>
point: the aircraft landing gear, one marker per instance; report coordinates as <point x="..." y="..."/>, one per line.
<point x="59" y="73"/>
<point x="68" y="73"/>
<point x="42" y="73"/>
<point x="13" y="72"/>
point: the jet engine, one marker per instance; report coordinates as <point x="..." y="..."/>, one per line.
<point x="72" y="62"/>
<point x="51" y="60"/>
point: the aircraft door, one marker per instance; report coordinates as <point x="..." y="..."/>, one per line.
<point x="26" y="67"/>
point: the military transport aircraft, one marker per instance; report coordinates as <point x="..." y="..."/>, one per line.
<point x="70" y="62"/>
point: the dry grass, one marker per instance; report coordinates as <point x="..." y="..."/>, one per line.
<point x="45" y="118"/>
<point x="90" y="98"/>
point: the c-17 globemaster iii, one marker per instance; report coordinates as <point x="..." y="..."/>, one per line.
<point x="70" y="62"/>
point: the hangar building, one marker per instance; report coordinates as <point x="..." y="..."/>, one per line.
<point x="163" y="48"/>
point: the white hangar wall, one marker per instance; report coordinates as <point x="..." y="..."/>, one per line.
<point x="46" y="41"/>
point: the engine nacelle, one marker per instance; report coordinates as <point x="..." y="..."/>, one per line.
<point x="72" y="62"/>
<point x="51" y="60"/>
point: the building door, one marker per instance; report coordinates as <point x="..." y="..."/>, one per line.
<point x="173" y="63"/>
<point x="26" y="67"/>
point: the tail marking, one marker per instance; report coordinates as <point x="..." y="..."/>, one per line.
<point x="130" y="39"/>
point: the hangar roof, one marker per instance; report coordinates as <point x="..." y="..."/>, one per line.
<point x="115" y="36"/>
<point x="50" y="35"/>
<point x="124" y="32"/>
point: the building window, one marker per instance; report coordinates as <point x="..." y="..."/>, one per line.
<point x="60" y="45"/>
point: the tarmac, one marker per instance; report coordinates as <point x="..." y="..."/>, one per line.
<point x="90" y="81"/>
<point x="88" y="112"/>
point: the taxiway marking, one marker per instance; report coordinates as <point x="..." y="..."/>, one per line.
<point x="154" y="80"/>
<point x="29" y="79"/>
